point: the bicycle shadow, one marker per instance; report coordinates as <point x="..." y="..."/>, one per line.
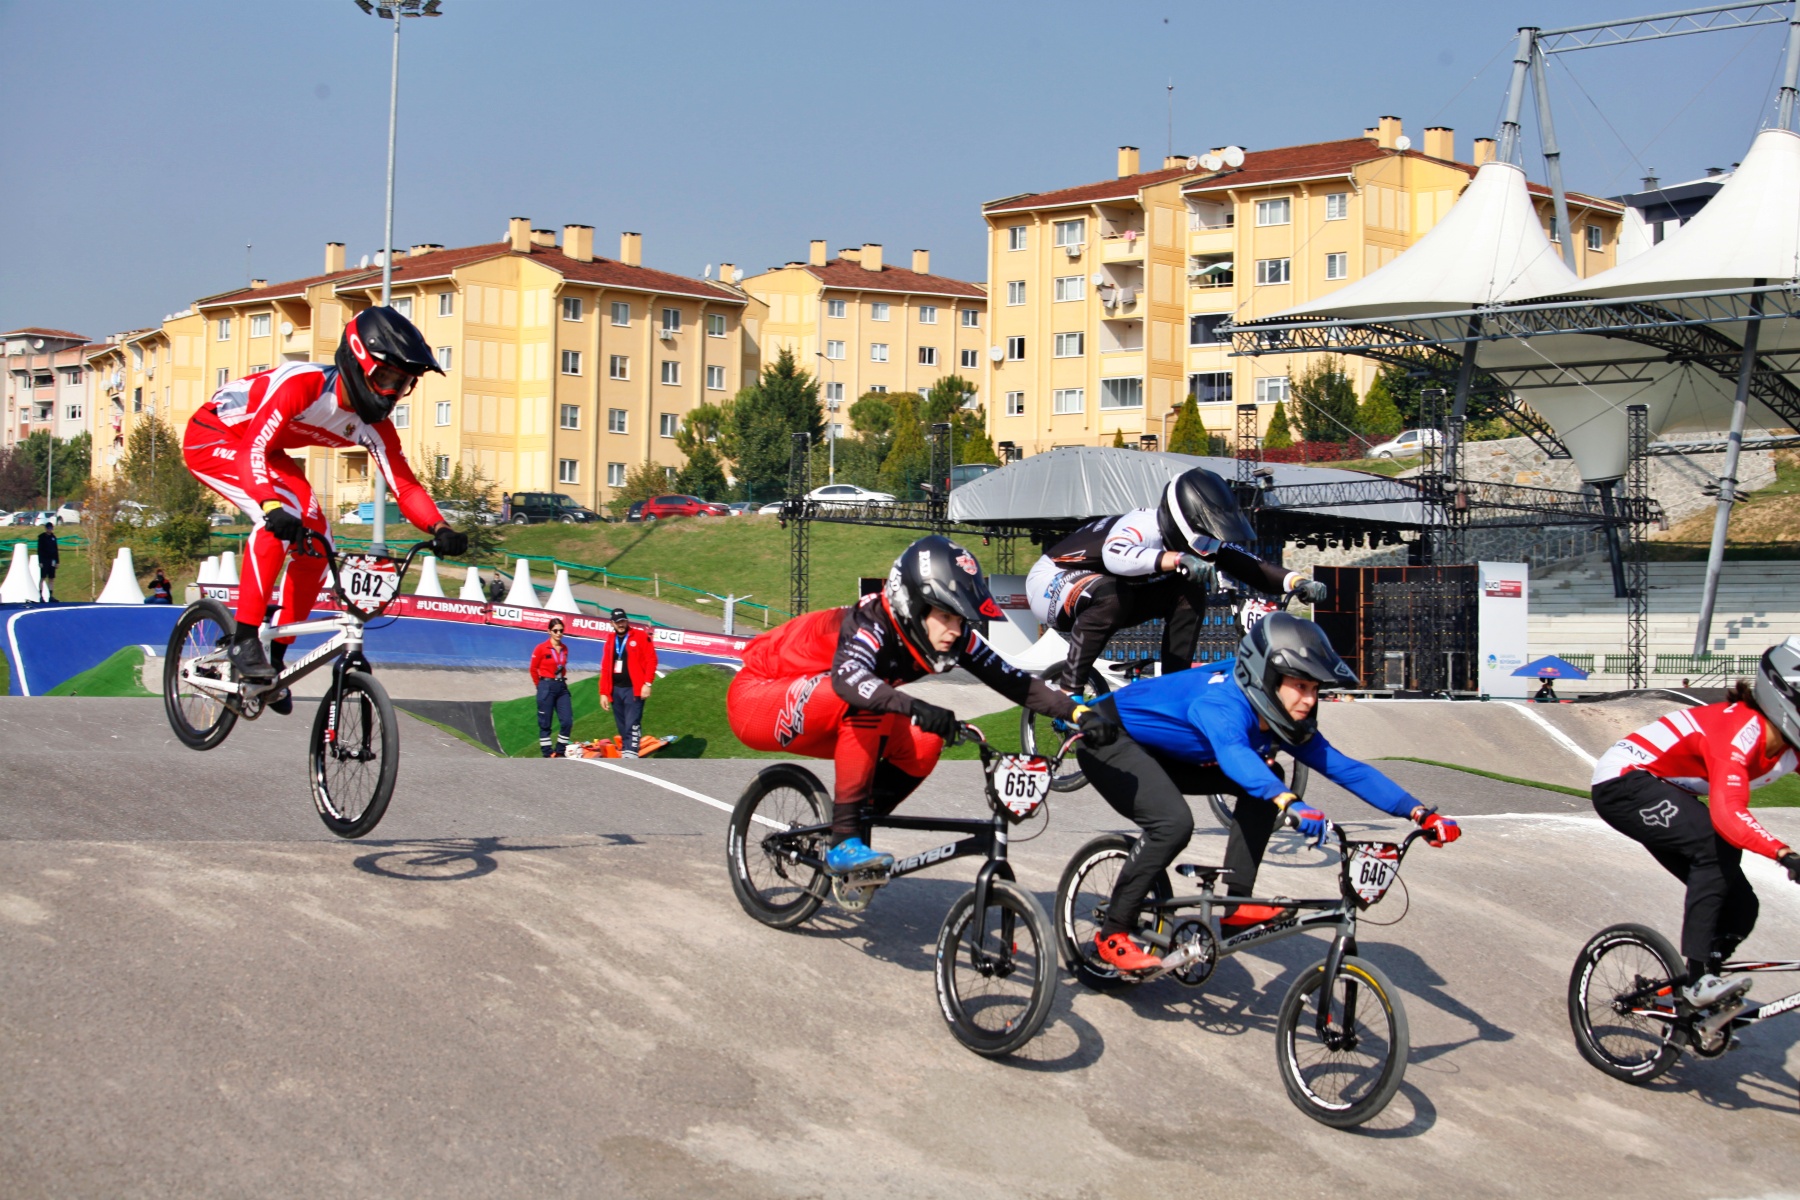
<point x="1727" y="1084"/>
<point x="450" y="860"/>
<point x="1414" y="976"/>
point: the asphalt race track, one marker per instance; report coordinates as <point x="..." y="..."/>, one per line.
<point x="533" y="979"/>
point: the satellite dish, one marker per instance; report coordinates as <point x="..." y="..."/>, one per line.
<point x="1233" y="156"/>
<point x="1192" y="164"/>
<point x="995" y="353"/>
<point x="287" y="329"/>
<point x="1211" y="162"/>
<point x="737" y="275"/>
<point x="1097" y="279"/>
<point x="37" y="343"/>
<point x="707" y="274"/>
<point x="1403" y="142"/>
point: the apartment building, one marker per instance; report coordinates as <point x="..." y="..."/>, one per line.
<point x="862" y="325"/>
<point x="46" y="384"/>
<point x="1109" y="295"/>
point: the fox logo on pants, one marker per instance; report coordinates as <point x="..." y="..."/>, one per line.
<point x="1660" y="814"/>
<point x="791" y="722"/>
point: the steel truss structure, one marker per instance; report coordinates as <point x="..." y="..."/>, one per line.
<point x="1637" y="561"/>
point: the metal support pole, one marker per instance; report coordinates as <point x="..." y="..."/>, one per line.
<point x="1552" y="156"/>
<point x="1459" y="408"/>
<point x="1614" y="555"/>
<point x="1637" y="489"/>
<point x="1508" y="150"/>
<point x="1740" y="405"/>
<point x="1784" y="116"/>
<point x="378" y="539"/>
<point x="794" y="511"/>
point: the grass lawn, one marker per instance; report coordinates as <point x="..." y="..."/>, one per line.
<point x="119" y="675"/>
<point x="1375" y="466"/>
<point x="1765" y="526"/>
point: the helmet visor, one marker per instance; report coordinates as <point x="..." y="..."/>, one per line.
<point x="392" y="381"/>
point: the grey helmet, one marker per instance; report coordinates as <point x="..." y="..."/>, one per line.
<point x="1778" y="688"/>
<point x="1283" y="644"/>
<point x="1197" y="505"/>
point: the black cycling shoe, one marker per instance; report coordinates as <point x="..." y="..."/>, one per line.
<point x="281" y="703"/>
<point x="248" y="660"/>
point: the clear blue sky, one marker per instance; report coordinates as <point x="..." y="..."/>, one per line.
<point x="148" y="142"/>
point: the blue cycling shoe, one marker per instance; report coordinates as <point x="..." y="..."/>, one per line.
<point x="853" y="854"/>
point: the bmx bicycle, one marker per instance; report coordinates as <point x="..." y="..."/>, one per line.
<point x="996" y="962"/>
<point x="1341" y="1047"/>
<point x="353" y="751"/>
<point x="1627" y="1012"/>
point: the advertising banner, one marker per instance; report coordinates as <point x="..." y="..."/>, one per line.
<point x="1501" y="609"/>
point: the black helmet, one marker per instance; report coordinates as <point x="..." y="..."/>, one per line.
<point x="935" y="572"/>
<point x="1198" y="504"/>
<point x="1777" y="688"/>
<point x="1281" y="644"/>
<point x="377" y="337"/>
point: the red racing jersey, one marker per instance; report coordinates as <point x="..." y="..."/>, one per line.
<point x="1715" y="750"/>
<point x="296" y="405"/>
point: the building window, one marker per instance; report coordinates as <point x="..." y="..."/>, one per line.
<point x="443" y="412"/>
<point x="1272" y="270"/>
<point x="1068" y="400"/>
<point x="1015" y="237"/>
<point x="834" y="393"/>
<point x="446" y="304"/>
<point x="72" y="412"/>
<point x="1015" y="404"/>
<point x="834" y="349"/>
<point x="1272" y="390"/>
<point x="618" y="367"/>
<point x="443" y="357"/>
<point x="928" y="314"/>
<point x="137" y="398"/>
<point x="224" y="334"/>
<point x="1274" y="212"/>
<point x="1122" y="393"/>
<point x="1070" y="345"/>
<point x="1210" y="387"/>
<point x="440" y="466"/>
<point x="878" y="310"/>
<point x="1015" y="292"/>
<point x="570" y="416"/>
<point x="1069" y="287"/>
<point x="223" y="378"/>
<point x="403" y="306"/>
<point x="671" y="320"/>
<point x="971" y="360"/>
<point x="257" y="368"/>
<point x="878" y="352"/>
<point x="878" y="387"/>
<point x="259" y="322"/>
<point x="1337" y="266"/>
<point x="1203" y="329"/>
<point x="671" y="371"/>
<point x="1337" y="206"/>
<point x="567" y="471"/>
<point x="621" y="313"/>
<point x="615" y="420"/>
<point x="615" y="474"/>
<point x="1594" y="237"/>
<point x="1071" y="233"/>
<point x="571" y="362"/>
<point x="667" y="424"/>
<point x="834" y="308"/>
<point x="1015" y="349"/>
<point x="571" y="308"/>
<point x="402" y="416"/>
<point x="928" y="356"/>
<point x="971" y="318"/>
<point x="715" y="325"/>
<point x="715" y="379"/>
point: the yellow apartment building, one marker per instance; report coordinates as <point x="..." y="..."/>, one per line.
<point x="1108" y="296"/>
<point x="861" y="324"/>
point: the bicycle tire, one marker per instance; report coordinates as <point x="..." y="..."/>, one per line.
<point x="1072" y="779"/>
<point x="366" y="733"/>
<point x="1091" y="875"/>
<point x="1220" y="802"/>
<point x="1296" y="1025"/>
<point x="200" y="721"/>
<point x="788" y="795"/>
<point x="988" y="1024"/>
<point x="1595" y="984"/>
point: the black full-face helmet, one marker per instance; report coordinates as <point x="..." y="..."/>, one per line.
<point x="379" y="338"/>
<point x="1197" y="505"/>
<point x="1283" y="644"/>
<point x="935" y="572"/>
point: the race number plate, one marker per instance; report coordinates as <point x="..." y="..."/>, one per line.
<point x="1373" y="869"/>
<point x="1022" y="783"/>
<point x="368" y="581"/>
<point x="1255" y="609"/>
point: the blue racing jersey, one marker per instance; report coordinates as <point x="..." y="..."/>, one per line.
<point x="1202" y="716"/>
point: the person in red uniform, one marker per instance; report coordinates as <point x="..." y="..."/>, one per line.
<point x="550" y="676"/>
<point x="627" y="669"/>
<point x="1648" y="787"/>
<point x="822" y="685"/>
<point x="237" y="445"/>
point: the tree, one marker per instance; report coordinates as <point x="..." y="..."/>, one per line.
<point x="68" y="477"/>
<point x="1189" y="434"/>
<point x="467" y="498"/>
<point x="1377" y="417"/>
<point x="1118" y="439"/>
<point x="762" y="421"/>
<point x="17" y="487"/>
<point x="1279" y="435"/>
<point x="175" y="520"/>
<point x="643" y="481"/>
<point x="704" y="474"/>
<point x="908" y="460"/>
<point x="948" y="402"/>
<point x="1325" y="402"/>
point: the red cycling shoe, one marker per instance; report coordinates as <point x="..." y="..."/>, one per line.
<point x="1120" y="952"/>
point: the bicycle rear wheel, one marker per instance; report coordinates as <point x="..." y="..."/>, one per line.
<point x="1348" y="1073"/>
<point x="1081" y="898"/>
<point x="767" y="875"/>
<point x="199" y="718"/>
<point x="1071" y="779"/>
<point x="1622" y="971"/>
<point x="996" y="972"/>
<point x="354" y="761"/>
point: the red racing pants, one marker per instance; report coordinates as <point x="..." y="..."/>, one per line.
<point x="879" y="757"/>
<point x="214" y="462"/>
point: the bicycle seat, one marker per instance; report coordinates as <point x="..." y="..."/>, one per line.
<point x="1202" y="876"/>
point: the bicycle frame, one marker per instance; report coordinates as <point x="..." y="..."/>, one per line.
<point x="1744" y="1019"/>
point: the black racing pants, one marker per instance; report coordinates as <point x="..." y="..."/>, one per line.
<point x="1105" y="604"/>
<point x="1676" y="827"/>
<point x="1151" y="790"/>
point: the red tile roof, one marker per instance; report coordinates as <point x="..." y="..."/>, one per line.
<point x="1088" y="193"/>
<point x="285" y="290"/>
<point x="603" y="271"/>
<point x="36" y="331"/>
<point x="845" y="273"/>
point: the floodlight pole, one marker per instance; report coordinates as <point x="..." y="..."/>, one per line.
<point x="1784" y="117"/>
<point x="378" y="540"/>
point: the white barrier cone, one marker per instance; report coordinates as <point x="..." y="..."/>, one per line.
<point x="428" y="579"/>
<point x="17" y="589"/>
<point x="37" y="579"/>
<point x="523" y="595"/>
<point x="471" y="588"/>
<point x="228" y="568"/>
<point x="122" y="585"/>
<point x="562" y="597"/>
<point x="209" y="570"/>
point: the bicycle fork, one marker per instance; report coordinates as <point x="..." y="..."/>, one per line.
<point x="999" y="960"/>
<point x="1342" y="946"/>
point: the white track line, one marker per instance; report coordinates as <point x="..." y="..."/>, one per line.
<point x="690" y="793"/>
<point x="1562" y="739"/>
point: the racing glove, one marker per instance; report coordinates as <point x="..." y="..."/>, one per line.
<point x="448" y="543"/>
<point x="1310" y="591"/>
<point x="1309" y="821"/>
<point x="1439" y="830"/>
<point x="1197" y="571"/>
<point x="1097" y="728"/>
<point x="1790" y="859"/>
<point x="283" y="524"/>
<point x="939" y="722"/>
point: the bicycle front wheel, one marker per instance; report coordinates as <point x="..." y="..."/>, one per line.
<point x="1347" y="1072"/>
<point x="1072" y="779"/>
<point x="198" y="716"/>
<point x="1623" y="975"/>
<point x="767" y="872"/>
<point x="1082" y="895"/>
<point x="996" y="972"/>
<point x="354" y="756"/>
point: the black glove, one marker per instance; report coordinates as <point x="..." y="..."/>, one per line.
<point x="1098" y="727"/>
<point x="448" y="543"/>
<point x="940" y="722"/>
<point x="1197" y="570"/>
<point x="1791" y="860"/>
<point x="283" y="524"/>
<point x="1311" y="591"/>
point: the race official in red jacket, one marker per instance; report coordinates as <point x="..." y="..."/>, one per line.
<point x="550" y="675"/>
<point x="627" y="669"/>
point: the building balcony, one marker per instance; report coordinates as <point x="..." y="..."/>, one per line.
<point x="1121" y="248"/>
<point x="1122" y="309"/>
<point x="1217" y="240"/>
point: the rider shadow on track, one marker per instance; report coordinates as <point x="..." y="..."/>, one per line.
<point x="1414" y="976"/>
<point x="1752" y="1076"/>
<point x="448" y="860"/>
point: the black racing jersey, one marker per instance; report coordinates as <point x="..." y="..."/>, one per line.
<point x="1129" y="545"/>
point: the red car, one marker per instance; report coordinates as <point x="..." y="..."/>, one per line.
<point x="658" y="507"/>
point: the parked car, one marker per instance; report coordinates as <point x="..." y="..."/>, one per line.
<point x="68" y="514"/>
<point x="1413" y="441"/>
<point x="743" y="508"/>
<point x="460" y="516"/>
<point x="219" y="519"/>
<point x="15" y="518"/>
<point x="847" y="495"/>
<point x="771" y="510"/>
<point x="531" y="508"/>
<point x="658" y="507"/>
<point x="45" y="517"/>
<point x="636" y="511"/>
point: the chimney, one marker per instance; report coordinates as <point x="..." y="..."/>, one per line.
<point x="851" y="254"/>
<point x="1171" y="161"/>
<point x="334" y="257"/>
<point x="1128" y="161"/>
<point x="726" y="271"/>
<point x="815" y="253"/>
<point x="259" y="283"/>
<point x="543" y="237"/>
<point x="422" y="248"/>
<point x="1371" y="133"/>
<point x="1714" y="172"/>
<point x="1484" y="150"/>
<point x="1389" y="132"/>
<point x="518" y="234"/>
<point x="1651" y="182"/>
<point x="922" y="262"/>
<point x="578" y="242"/>
<point x="871" y="256"/>
<point x="1440" y="142"/>
<point x="631" y="249"/>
